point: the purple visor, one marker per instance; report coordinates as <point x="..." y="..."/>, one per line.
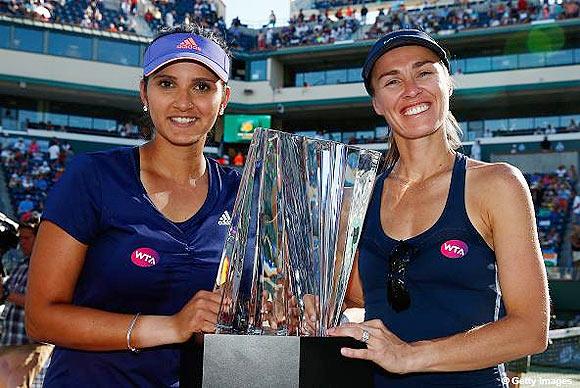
<point x="188" y="46"/>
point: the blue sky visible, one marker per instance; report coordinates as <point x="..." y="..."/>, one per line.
<point x="255" y="13"/>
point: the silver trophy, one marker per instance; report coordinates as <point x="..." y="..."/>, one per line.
<point x="295" y="228"/>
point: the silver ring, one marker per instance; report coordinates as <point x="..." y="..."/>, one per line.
<point x="365" y="336"/>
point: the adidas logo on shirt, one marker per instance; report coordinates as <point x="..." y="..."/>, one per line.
<point x="188" y="44"/>
<point x="225" y="219"/>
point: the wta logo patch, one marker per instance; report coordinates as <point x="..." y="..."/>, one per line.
<point x="454" y="249"/>
<point x="145" y="257"/>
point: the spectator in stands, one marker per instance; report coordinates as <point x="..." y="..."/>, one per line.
<point x="26" y="205"/>
<point x="26" y="183"/>
<point x="224" y="160"/>
<point x="572" y="174"/>
<point x="571" y="9"/>
<point x="53" y="151"/>
<point x="576" y="210"/>
<point x="20" y="357"/>
<point x="33" y="147"/>
<point x="476" y="150"/>
<point x="239" y="159"/>
<point x="272" y="19"/>
<point x="363" y="14"/>
<point x="44" y="168"/>
<point x="550" y="130"/>
<point x="410" y="325"/>
<point x="170" y="19"/>
<point x="575" y="241"/>
<point x="19" y="145"/>
<point x="126" y="218"/>
<point x="68" y="151"/>
<point x="561" y="171"/>
<point x="546" y="145"/>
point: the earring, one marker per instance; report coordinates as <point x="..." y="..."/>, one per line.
<point x="222" y="110"/>
<point x="145" y="109"/>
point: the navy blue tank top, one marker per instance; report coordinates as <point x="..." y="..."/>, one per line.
<point x="451" y="279"/>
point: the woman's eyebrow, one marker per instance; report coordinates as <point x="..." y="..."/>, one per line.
<point x="415" y="66"/>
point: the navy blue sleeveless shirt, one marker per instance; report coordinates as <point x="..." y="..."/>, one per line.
<point x="452" y="283"/>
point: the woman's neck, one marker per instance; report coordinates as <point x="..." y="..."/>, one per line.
<point x="180" y="164"/>
<point x="420" y="159"/>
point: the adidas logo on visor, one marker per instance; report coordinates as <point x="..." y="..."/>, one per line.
<point x="188" y="44"/>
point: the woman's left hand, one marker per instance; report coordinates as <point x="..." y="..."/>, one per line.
<point x="383" y="347"/>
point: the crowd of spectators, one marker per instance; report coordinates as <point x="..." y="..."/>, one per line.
<point x="126" y="128"/>
<point x="575" y="235"/>
<point x="30" y="170"/>
<point x="84" y="13"/>
<point x="466" y="15"/>
<point x="169" y="13"/>
<point x="40" y="10"/>
<point x="544" y="129"/>
<point x="316" y="29"/>
<point x="553" y="195"/>
<point x="336" y="20"/>
<point x="325" y="4"/>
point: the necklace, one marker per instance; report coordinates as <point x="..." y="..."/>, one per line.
<point x="409" y="184"/>
<point x="193" y="181"/>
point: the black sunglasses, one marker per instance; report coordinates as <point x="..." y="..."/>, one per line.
<point x="397" y="293"/>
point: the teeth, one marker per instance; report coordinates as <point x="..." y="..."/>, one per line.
<point x="415" y="110"/>
<point x="183" y="120"/>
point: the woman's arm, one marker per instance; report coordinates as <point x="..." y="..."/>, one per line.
<point x="524" y="289"/>
<point x="55" y="266"/>
<point x="354" y="297"/>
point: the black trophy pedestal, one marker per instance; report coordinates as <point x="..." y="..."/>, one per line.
<point x="219" y="360"/>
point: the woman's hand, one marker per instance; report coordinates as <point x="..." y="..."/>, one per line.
<point x="198" y="315"/>
<point x="383" y="347"/>
<point x="310" y="322"/>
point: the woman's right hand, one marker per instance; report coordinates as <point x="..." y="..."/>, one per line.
<point x="198" y="315"/>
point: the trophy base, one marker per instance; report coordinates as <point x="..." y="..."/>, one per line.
<point x="220" y="360"/>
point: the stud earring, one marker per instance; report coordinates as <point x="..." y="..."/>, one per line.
<point x="145" y="109"/>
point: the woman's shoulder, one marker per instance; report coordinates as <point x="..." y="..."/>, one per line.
<point x="492" y="173"/>
<point x="499" y="182"/>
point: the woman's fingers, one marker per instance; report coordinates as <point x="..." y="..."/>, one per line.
<point x="362" y="354"/>
<point x="353" y="330"/>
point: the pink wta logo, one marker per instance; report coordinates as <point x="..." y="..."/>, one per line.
<point x="454" y="249"/>
<point x="145" y="257"/>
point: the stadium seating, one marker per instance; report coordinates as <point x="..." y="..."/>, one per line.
<point x="464" y="16"/>
<point x="202" y="12"/>
<point x="322" y="29"/>
<point x="552" y="195"/>
<point x="30" y="173"/>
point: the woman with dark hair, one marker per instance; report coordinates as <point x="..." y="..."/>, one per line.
<point x="449" y="269"/>
<point x="131" y="239"/>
